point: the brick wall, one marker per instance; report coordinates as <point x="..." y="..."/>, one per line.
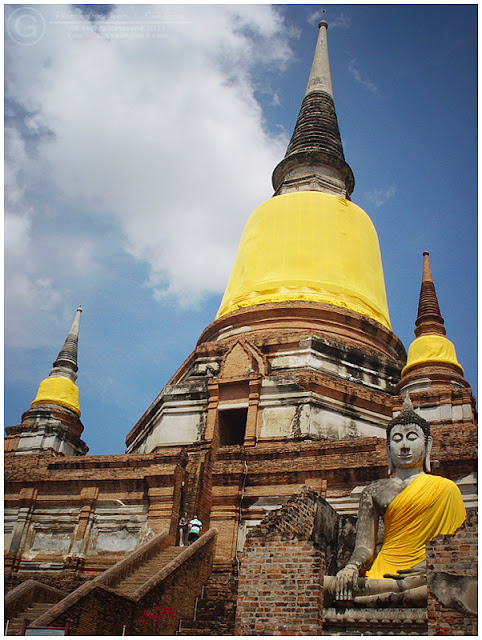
<point x="64" y="580"/>
<point x="457" y="556"/>
<point x="280" y="582"/>
<point x="28" y="593"/>
<point x="101" y="612"/>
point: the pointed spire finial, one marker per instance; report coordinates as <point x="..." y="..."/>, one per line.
<point x="59" y="388"/>
<point x="66" y="363"/>
<point x="314" y="160"/>
<point x="320" y="77"/>
<point x="429" y="319"/>
<point x="431" y="355"/>
<point x="323" y="21"/>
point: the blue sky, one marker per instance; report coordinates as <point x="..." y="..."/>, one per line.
<point x="139" y="139"/>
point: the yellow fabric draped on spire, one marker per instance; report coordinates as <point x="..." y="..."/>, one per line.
<point x="431" y="348"/>
<point x="59" y="391"/>
<point x="429" y="506"/>
<point x="311" y="246"/>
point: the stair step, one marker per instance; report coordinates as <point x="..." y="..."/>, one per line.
<point x="40" y="607"/>
<point x="209" y="629"/>
<point x="147" y="570"/>
<point x="215" y="615"/>
<point x="31" y="613"/>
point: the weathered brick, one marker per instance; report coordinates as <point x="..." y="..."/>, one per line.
<point x="457" y="555"/>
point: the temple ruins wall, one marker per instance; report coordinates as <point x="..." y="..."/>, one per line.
<point x="281" y="577"/>
<point x="452" y="558"/>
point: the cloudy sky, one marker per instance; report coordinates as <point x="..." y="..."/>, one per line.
<point x="140" y="138"/>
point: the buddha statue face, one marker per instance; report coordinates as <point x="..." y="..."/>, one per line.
<point x="408" y="447"/>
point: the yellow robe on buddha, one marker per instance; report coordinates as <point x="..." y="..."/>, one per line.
<point x="429" y="506"/>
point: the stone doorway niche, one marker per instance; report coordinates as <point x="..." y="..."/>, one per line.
<point x="232" y="426"/>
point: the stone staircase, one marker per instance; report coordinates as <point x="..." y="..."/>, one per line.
<point x="126" y="586"/>
<point x="216" y="609"/>
<point x="15" y="625"/>
<point x="155" y="571"/>
<point x="30" y="612"/>
<point x="140" y="575"/>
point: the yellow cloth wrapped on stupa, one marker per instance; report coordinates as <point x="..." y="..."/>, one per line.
<point x="429" y="506"/>
<point x="431" y="348"/>
<point x="60" y="391"/>
<point x="312" y="246"/>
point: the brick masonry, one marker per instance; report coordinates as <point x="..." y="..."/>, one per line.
<point x="455" y="555"/>
<point x="280" y="582"/>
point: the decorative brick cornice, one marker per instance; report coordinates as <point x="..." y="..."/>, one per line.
<point x="276" y="321"/>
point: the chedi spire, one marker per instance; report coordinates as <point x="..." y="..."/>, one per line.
<point x="66" y="362"/>
<point x="53" y="420"/>
<point x="429" y="319"/>
<point x="59" y="389"/>
<point x="431" y="348"/>
<point x="310" y="244"/>
<point x="314" y="160"/>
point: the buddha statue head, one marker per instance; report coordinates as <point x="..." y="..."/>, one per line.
<point x="408" y="440"/>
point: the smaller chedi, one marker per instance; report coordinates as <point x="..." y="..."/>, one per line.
<point x="415" y="506"/>
<point x="53" y="420"/>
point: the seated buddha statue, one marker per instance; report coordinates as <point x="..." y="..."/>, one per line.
<point x="415" y="507"/>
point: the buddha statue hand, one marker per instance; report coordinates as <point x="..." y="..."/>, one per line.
<point x="345" y="582"/>
<point x="419" y="569"/>
<point x="411" y="578"/>
<point x="413" y="597"/>
<point x="406" y="588"/>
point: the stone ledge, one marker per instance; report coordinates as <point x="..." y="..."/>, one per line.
<point x="368" y="615"/>
<point x="376" y="622"/>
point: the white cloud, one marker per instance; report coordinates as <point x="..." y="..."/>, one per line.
<point x="341" y="21"/>
<point x="361" y="79"/>
<point x="378" y="197"/>
<point x="149" y="124"/>
<point x="315" y="17"/>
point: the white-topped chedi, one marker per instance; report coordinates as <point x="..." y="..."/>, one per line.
<point x="310" y="242"/>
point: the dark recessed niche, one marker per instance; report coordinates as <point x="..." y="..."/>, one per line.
<point x="232" y="426"/>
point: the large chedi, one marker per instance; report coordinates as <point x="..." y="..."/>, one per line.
<point x="304" y="322"/>
<point x="310" y="242"/>
<point x="301" y="356"/>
